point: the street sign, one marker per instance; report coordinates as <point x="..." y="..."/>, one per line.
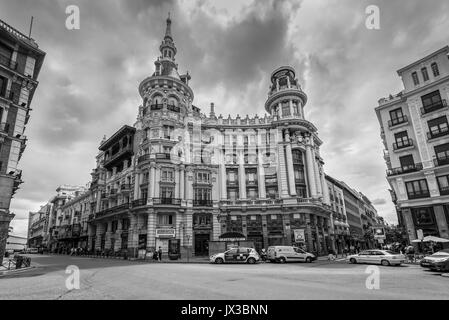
<point x="299" y="235"/>
<point x="379" y="233"/>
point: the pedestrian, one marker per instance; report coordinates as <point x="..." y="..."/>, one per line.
<point x="160" y="254"/>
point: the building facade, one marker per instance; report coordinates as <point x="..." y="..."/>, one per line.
<point x="38" y="227"/>
<point x="415" y="133"/>
<point x="20" y="64"/>
<point x="182" y="180"/>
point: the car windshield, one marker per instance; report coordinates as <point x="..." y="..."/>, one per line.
<point x="390" y="252"/>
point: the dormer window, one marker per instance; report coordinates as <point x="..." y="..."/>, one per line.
<point x="435" y="70"/>
<point x="425" y="74"/>
<point x="415" y="78"/>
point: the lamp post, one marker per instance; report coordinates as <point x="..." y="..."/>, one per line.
<point x="188" y="247"/>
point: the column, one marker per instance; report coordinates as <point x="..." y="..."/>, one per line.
<point x="261" y="176"/>
<point x="118" y="236"/>
<point x="290" y="169"/>
<point x="242" y="175"/>
<point x="326" y="197"/>
<point x="181" y="183"/>
<point x="151" y="230"/>
<point x="177" y="195"/>
<point x="317" y="176"/>
<point x="309" y="233"/>
<point x="223" y="177"/>
<point x="215" y="196"/>
<point x="292" y="110"/>
<point x="133" y="236"/>
<point x="107" y="244"/>
<point x="288" y="82"/>
<point x="265" y="231"/>
<point x="152" y="182"/>
<point x="136" y="185"/>
<point x="100" y="231"/>
<point x="310" y="171"/>
<point x="441" y="221"/>
<point x="277" y="84"/>
<point x="189" y="231"/>
<point x="216" y="225"/>
<point x="156" y="182"/>
<point x="283" y="186"/>
<point x="409" y="224"/>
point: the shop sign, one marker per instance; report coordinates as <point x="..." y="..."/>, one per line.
<point x="379" y="233"/>
<point x="299" y="235"/>
<point x="165" y="233"/>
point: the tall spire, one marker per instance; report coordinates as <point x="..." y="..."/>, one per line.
<point x="168" y="30"/>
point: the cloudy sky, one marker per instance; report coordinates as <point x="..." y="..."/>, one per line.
<point x="88" y="84"/>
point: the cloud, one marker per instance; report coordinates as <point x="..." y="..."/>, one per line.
<point x="88" y="84"/>
<point x="379" y="201"/>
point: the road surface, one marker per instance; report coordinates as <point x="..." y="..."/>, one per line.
<point x="118" y="279"/>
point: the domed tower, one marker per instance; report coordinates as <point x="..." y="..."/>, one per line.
<point x="301" y="166"/>
<point x="286" y="99"/>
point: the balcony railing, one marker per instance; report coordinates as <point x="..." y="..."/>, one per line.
<point x="406" y="169"/>
<point x="174" y="108"/>
<point x="125" y="187"/>
<point x="163" y="156"/>
<point x="10" y="95"/>
<point x="437" y="134"/>
<point x="7" y="62"/>
<point x="397" y="121"/>
<point x="441" y="161"/>
<point x="401" y="144"/>
<point x="128" y="148"/>
<point x="156" y="106"/>
<point x="167" y="201"/>
<point x="140" y="202"/>
<point x="115" y="209"/>
<point x="420" y="194"/>
<point x="4" y="128"/>
<point x="202" y="203"/>
<point x="433" y="107"/>
<point x="145" y="157"/>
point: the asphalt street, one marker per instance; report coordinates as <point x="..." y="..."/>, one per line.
<point x="118" y="279"/>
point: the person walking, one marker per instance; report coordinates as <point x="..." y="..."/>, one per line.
<point x="160" y="253"/>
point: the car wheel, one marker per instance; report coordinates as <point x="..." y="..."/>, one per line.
<point x="219" y="261"/>
<point x="251" y="261"/>
<point x="385" y="263"/>
<point x="309" y="260"/>
<point x="353" y="261"/>
<point x="282" y="260"/>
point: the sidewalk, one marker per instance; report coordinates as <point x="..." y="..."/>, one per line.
<point x="5" y="263"/>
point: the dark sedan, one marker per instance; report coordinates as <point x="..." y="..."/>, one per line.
<point x="438" y="261"/>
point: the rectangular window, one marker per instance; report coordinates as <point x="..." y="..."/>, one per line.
<point x="417" y="189"/>
<point x="167" y="176"/>
<point x="168" y="132"/>
<point x="166" y="219"/>
<point x="415" y="78"/>
<point x="167" y="192"/>
<point x="407" y="162"/>
<point x="432" y="101"/>
<point x="438" y="127"/>
<point x="232" y="194"/>
<point x="402" y="140"/>
<point x="286" y="109"/>
<point x="443" y="185"/>
<point x="3" y="84"/>
<point x="442" y="154"/>
<point x="423" y="216"/>
<point x="425" y="75"/>
<point x="397" y="117"/>
<point x="435" y="70"/>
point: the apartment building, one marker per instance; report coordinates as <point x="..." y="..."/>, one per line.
<point x="415" y="134"/>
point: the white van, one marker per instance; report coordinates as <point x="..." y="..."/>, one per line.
<point x="284" y="254"/>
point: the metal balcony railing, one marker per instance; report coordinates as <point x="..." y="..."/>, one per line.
<point x="401" y="144"/>
<point x="437" y="134"/>
<point x="156" y="106"/>
<point x="406" y="169"/>
<point x="167" y="201"/>
<point x="433" y="107"/>
<point x="140" y="202"/>
<point x="202" y="203"/>
<point x="397" y="121"/>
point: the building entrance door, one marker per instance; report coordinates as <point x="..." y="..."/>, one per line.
<point x="202" y="244"/>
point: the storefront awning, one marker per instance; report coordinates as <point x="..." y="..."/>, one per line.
<point x="232" y="236"/>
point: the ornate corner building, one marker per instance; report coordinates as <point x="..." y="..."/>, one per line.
<point x="20" y="64"/>
<point x="415" y="133"/>
<point x="180" y="179"/>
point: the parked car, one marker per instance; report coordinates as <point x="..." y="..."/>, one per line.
<point x="438" y="261"/>
<point x="32" y="250"/>
<point x="284" y="254"/>
<point x="383" y="257"/>
<point x="236" y="255"/>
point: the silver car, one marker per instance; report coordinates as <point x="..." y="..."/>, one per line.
<point x="383" y="257"/>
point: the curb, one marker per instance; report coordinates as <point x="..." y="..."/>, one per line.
<point x="15" y="271"/>
<point x="446" y="275"/>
